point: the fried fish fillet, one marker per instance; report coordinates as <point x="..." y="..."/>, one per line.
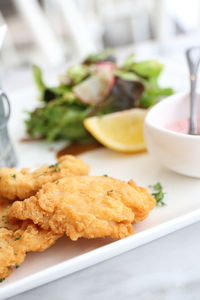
<point x="4" y="220"/>
<point x="15" y="244"/>
<point x="22" y="184"/>
<point x="86" y="206"/>
<point x="19" y="237"/>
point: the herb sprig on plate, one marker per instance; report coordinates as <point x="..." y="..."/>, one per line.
<point x="158" y="193"/>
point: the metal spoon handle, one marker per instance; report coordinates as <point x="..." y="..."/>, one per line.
<point x="193" y="58"/>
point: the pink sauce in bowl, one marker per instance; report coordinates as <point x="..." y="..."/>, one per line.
<point x="181" y="126"/>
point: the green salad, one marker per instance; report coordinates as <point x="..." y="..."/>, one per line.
<point x="97" y="86"/>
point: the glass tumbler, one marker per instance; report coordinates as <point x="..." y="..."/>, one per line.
<point x="7" y="153"/>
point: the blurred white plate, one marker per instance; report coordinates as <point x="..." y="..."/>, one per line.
<point x="66" y="257"/>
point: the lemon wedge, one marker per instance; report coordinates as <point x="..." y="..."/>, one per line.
<point x="121" y="131"/>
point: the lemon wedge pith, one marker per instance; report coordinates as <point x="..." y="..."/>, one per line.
<point x="121" y="131"/>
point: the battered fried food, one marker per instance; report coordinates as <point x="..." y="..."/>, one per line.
<point x="19" y="237"/>
<point x="59" y="200"/>
<point x="86" y="206"/>
<point x="144" y="203"/>
<point x="4" y="221"/>
<point x="15" y="244"/>
<point x="22" y="184"/>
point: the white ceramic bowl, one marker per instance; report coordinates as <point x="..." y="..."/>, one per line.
<point x="176" y="151"/>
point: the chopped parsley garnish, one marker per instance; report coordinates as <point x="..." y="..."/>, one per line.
<point x="42" y="174"/>
<point x="2" y="279"/>
<point x="13" y="175"/>
<point x="56" y="167"/>
<point x="16" y="238"/>
<point x="108" y="192"/>
<point x="158" y="194"/>
<point x="52" y="166"/>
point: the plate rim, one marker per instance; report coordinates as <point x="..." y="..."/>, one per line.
<point x="98" y="255"/>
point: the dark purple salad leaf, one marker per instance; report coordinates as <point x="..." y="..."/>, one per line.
<point x="124" y="95"/>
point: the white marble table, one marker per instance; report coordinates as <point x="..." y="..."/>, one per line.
<point x="166" y="269"/>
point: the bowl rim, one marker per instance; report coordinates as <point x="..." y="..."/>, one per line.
<point x="149" y="123"/>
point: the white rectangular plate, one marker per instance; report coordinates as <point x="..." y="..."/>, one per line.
<point x="66" y="257"/>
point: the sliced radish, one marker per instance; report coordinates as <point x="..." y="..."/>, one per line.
<point x="106" y="65"/>
<point x="98" y="86"/>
